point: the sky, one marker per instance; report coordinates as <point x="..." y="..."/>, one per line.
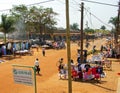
<point x="97" y="16"/>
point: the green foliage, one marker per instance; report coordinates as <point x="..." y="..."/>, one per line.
<point x="7" y="25"/>
<point x="113" y="21"/>
<point x="102" y="31"/>
<point x="103" y="27"/>
<point x="34" y="18"/>
<point x="74" y="26"/>
<point x="89" y="30"/>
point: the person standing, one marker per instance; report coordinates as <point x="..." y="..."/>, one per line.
<point x="37" y="65"/>
<point x="9" y="47"/>
<point x="94" y="50"/>
<point x="43" y="51"/>
<point x="61" y="68"/>
<point x="85" y="56"/>
<point x="101" y="48"/>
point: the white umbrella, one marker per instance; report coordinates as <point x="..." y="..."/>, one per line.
<point x="45" y="46"/>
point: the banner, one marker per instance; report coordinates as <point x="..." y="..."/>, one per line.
<point x="23" y="76"/>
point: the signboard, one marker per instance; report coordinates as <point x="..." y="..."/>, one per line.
<point x="23" y="76"/>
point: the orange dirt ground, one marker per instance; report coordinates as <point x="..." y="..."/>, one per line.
<point x="49" y="81"/>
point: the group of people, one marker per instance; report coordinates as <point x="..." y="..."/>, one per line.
<point x="11" y="47"/>
<point x="59" y="45"/>
<point x="84" y="56"/>
<point x="82" y="71"/>
<point x="109" y="51"/>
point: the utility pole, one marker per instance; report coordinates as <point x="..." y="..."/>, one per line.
<point x="117" y="25"/>
<point x="86" y="34"/>
<point x="118" y="31"/>
<point x="68" y="47"/>
<point x="81" y="36"/>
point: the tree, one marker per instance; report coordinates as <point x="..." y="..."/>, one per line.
<point x="7" y="25"/>
<point x="103" y="27"/>
<point x="89" y="30"/>
<point x="43" y="18"/>
<point x="113" y="21"/>
<point x="34" y="18"/>
<point x="20" y="13"/>
<point x="74" y="26"/>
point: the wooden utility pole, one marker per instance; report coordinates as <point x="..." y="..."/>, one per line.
<point x="68" y="47"/>
<point x="117" y="25"/>
<point x="81" y="37"/>
<point x="118" y="32"/>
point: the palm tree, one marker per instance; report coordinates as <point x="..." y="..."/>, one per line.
<point x="113" y="21"/>
<point x="7" y="25"/>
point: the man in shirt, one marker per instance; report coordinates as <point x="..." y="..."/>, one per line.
<point x="37" y="65"/>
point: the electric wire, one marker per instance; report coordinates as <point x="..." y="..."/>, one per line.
<point x="97" y="18"/>
<point x="30" y="4"/>
<point x="89" y="19"/>
<point x="40" y="2"/>
<point x="72" y="7"/>
<point x="100" y="3"/>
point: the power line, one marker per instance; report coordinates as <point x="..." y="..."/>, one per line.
<point x="97" y="18"/>
<point x="69" y="5"/>
<point x="101" y="3"/>
<point x="40" y="3"/>
<point x="30" y="5"/>
<point x="90" y="19"/>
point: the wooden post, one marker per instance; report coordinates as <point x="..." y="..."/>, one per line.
<point x="68" y="47"/>
<point x="81" y="52"/>
<point x="118" y="86"/>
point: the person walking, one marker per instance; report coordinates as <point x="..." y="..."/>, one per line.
<point x="37" y="67"/>
<point x="43" y="51"/>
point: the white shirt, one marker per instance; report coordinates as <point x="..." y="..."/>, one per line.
<point x="36" y="63"/>
<point x="9" y="46"/>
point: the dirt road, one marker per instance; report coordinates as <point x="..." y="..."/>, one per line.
<point x="49" y="81"/>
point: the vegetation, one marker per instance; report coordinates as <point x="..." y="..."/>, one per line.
<point x="7" y="25"/>
<point x="74" y="26"/>
<point x="89" y="30"/>
<point x="34" y="19"/>
<point x="39" y="20"/>
<point x="113" y="21"/>
<point x="103" y="27"/>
